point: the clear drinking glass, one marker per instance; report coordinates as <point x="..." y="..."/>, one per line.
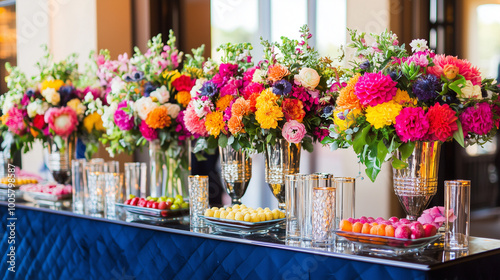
<point x="135" y="179"/>
<point x="198" y="199"/>
<point x="112" y="166"/>
<point x="457" y="207"/>
<point x="94" y="205"/>
<point x="323" y="208"/>
<point x="345" y="196"/>
<point x="113" y="193"/>
<point x="79" y="185"/>
<point x="292" y="186"/>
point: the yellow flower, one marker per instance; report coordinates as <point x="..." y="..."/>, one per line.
<point x="183" y="97"/>
<point x="268" y="115"/>
<point x="266" y="97"/>
<point x="223" y="102"/>
<point x="173" y="75"/>
<point x="77" y="105"/>
<point x="55" y="84"/>
<point x="4" y="118"/>
<point x="383" y="114"/>
<point x="214" y="123"/>
<point x="93" y="121"/>
<point x="402" y="97"/>
<point x="346" y="121"/>
<point x="52" y="96"/>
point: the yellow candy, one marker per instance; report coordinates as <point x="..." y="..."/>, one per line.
<point x="267" y="209"/>
<point x="215" y="208"/>
<point x="217" y="214"/>
<point x="269" y="215"/>
<point x="243" y="206"/>
<point x="239" y="217"/>
<point x="255" y="218"/>
<point x="248" y="217"/>
<point x="209" y="213"/>
<point x="276" y="214"/>
<point x="230" y="216"/>
<point x="282" y="215"/>
<point x="262" y="216"/>
<point x="229" y="209"/>
<point x="223" y="214"/>
<point x="259" y="209"/>
<point x="236" y="207"/>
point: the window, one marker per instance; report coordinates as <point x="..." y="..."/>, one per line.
<point x="8" y="51"/>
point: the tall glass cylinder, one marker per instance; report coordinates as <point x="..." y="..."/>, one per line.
<point x="293" y="184"/>
<point x="113" y="193"/>
<point x="282" y="158"/>
<point x="79" y="185"/>
<point x="457" y="209"/>
<point x="236" y="170"/>
<point x="345" y="197"/>
<point x="323" y="212"/>
<point x="135" y="179"/>
<point x="95" y="203"/>
<point x="198" y="199"/>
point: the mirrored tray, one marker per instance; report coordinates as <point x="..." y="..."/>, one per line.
<point x="151" y="212"/>
<point x="399" y="245"/>
<point x="241" y="227"/>
<point x="35" y="196"/>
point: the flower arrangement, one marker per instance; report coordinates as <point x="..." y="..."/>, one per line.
<point x="47" y="106"/>
<point x="146" y="97"/>
<point x="393" y="99"/>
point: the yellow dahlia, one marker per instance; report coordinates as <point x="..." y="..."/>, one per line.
<point x="268" y="115"/>
<point x="214" y="123"/>
<point x="266" y="97"/>
<point x="383" y="114"/>
<point x="402" y="97"/>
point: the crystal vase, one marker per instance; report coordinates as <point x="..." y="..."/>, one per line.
<point x="60" y="155"/>
<point x="416" y="184"/>
<point x="282" y="159"/>
<point x="169" y="170"/>
<point x="236" y="170"/>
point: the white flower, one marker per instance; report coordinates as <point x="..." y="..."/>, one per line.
<point x="11" y="99"/>
<point x="471" y="91"/>
<point x="197" y="87"/>
<point x="172" y="110"/>
<point x="109" y="99"/>
<point x="89" y="97"/>
<point x="52" y="96"/>
<point x="143" y="106"/>
<point x="418" y="45"/>
<point x="257" y="76"/>
<point x="308" y="78"/>
<point x="200" y="107"/>
<point x="161" y="94"/>
<point x="37" y="108"/>
<point x="117" y="85"/>
<point x="108" y="115"/>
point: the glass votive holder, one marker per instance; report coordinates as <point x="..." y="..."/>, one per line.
<point x="78" y="185"/>
<point x="94" y="203"/>
<point x="198" y="199"/>
<point x="135" y="179"/>
<point x="112" y="189"/>
<point x="292" y="187"/>
<point x="457" y="211"/>
<point x="111" y="166"/>
<point x="323" y="209"/>
<point x="345" y="196"/>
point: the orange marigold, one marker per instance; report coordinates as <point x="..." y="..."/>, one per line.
<point x="183" y="98"/>
<point x="214" y="123"/>
<point x="402" y="97"/>
<point x="241" y="107"/>
<point x="223" y="102"/>
<point x="347" y="99"/>
<point x="252" y="101"/>
<point x="235" y="125"/>
<point x="158" y="118"/>
<point x="276" y="72"/>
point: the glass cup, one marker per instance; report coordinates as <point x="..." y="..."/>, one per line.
<point x="94" y="203"/>
<point x="457" y="211"/>
<point x="323" y="208"/>
<point x="292" y="186"/>
<point x="345" y="196"/>
<point x="198" y="199"/>
<point x="79" y="185"/>
<point x="112" y="166"/>
<point x="113" y="193"/>
<point x="135" y="179"/>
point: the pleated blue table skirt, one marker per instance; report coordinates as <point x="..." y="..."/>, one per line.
<point x="57" y="246"/>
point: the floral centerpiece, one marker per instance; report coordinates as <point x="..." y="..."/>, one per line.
<point x="393" y="100"/>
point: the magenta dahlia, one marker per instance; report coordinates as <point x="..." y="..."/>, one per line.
<point x="412" y="124"/>
<point x="477" y="119"/>
<point x="375" y="88"/>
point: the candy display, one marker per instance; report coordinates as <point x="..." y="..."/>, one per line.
<point x="240" y="212"/>
<point x="393" y="227"/>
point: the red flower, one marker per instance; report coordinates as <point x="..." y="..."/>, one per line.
<point x="183" y="83"/>
<point x="293" y="109"/>
<point x="442" y="122"/>
<point x="39" y="122"/>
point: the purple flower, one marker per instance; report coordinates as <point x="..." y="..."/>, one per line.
<point x="427" y="87"/>
<point x="67" y="93"/>
<point x="327" y="111"/>
<point x="282" y="87"/>
<point x="149" y="88"/>
<point x="122" y="119"/>
<point x="208" y="89"/>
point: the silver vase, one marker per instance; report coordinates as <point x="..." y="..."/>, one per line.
<point x="236" y="170"/>
<point x="282" y="159"/>
<point x="60" y="158"/>
<point x="416" y="184"/>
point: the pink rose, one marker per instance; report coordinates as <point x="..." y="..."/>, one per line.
<point x="308" y="78"/>
<point x="293" y="131"/>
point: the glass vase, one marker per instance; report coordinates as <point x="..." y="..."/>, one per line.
<point x="282" y="159"/>
<point x="60" y="156"/>
<point x="169" y="170"/>
<point x="416" y="184"/>
<point x="236" y="170"/>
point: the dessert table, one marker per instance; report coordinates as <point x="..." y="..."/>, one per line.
<point x="59" y="244"/>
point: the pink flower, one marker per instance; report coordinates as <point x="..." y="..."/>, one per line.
<point x="248" y="75"/>
<point x="435" y="216"/>
<point x="307" y="99"/>
<point x="252" y="88"/>
<point x="419" y="58"/>
<point x="477" y="119"/>
<point x="464" y="68"/>
<point x="228" y="69"/>
<point x="122" y="119"/>
<point x="219" y="80"/>
<point x="442" y="122"/>
<point x="193" y="123"/>
<point x="147" y="132"/>
<point x="231" y="88"/>
<point x="293" y="131"/>
<point x="15" y="121"/>
<point x="375" y="88"/>
<point x="411" y="124"/>
<point x="62" y="121"/>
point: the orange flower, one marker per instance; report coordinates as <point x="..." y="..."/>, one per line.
<point x="158" y="118"/>
<point x="214" y="123"/>
<point x="252" y="100"/>
<point x="4" y="118"/>
<point x="183" y="97"/>
<point x="33" y="132"/>
<point x="347" y="99"/>
<point x="223" y="102"/>
<point x="235" y="125"/>
<point x="241" y="107"/>
<point x="276" y="72"/>
<point x="450" y="71"/>
<point x="293" y="109"/>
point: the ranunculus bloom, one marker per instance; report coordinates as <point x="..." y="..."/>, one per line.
<point x="450" y="71"/>
<point x="39" y="122"/>
<point x="143" y="106"/>
<point x="147" y="132"/>
<point x="471" y="91"/>
<point x="276" y="72"/>
<point x="442" y="122"/>
<point x="308" y="78"/>
<point x="375" y="88"/>
<point x="121" y="118"/>
<point x="62" y="120"/>
<point x="172" y="109"/>
<point x="477" y="119"/>
<point x="161" y="94"/>
<point x="293" y="131"/>
<point x="411" y="124"/>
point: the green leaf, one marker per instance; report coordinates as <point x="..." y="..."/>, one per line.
<point x="212" y="143"/>
<point x="269" y="138"/>
<point x="381" y="151"/>
<point x="406" y="149"/>
<point x="222" y="140"/>
<point x="360" y="139"/>
<point x="459" y="134"/>
<point x="307" y="144"/>
<point x="200" y="156"/>
<point x="230" y="140"/>
<point x="372" y="173"/>
<point x="201" y="145"/>
<point x="398" y="164"/>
